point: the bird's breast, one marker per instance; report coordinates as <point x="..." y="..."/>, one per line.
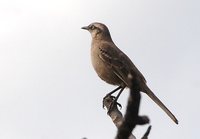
<point x="103" y="70"/>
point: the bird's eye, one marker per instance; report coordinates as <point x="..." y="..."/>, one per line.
<point x="92" y="27"/>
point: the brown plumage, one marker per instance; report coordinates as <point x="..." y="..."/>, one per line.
<point x="113" y="66"/>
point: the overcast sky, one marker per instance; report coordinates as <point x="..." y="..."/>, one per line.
<point x="49" y="90"/>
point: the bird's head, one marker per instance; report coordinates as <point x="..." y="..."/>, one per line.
<point x="98" y="31"/>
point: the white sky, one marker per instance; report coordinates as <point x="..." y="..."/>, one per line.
<point x="49" y="90"/>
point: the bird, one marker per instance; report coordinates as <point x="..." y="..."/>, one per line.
<point x="114" y="66"/>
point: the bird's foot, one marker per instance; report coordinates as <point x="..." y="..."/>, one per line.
<point x="107" y="100"/>
<point x="110" y="102"/>
<point x="113" y="105"/>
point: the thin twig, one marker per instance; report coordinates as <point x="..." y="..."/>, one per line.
<point x="147" y="133"/>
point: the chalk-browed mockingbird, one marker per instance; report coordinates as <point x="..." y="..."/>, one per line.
<point x="113" y="66"/>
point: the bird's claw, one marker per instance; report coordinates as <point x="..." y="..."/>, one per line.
<point x="111" y="98"/>
<point x="118" y="104"/>
<point x="112" y="101"/>
<point x="113" y="105"/>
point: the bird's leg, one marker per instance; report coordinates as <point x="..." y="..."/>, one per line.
<point x="109" y="94"/>
<point x="114" y="102"/>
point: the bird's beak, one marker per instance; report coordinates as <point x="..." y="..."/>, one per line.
<point x="85" y="27"/>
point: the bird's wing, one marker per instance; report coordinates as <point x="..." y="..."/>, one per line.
<point x="119" y="62"/>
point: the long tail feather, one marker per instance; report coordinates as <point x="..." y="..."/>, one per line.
<point x="160" y="104"/>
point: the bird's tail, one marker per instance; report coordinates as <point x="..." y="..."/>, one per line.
<point x="159" y="103"/>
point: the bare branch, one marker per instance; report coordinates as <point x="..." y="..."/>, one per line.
<point x="117" y="117"/>
<point x="115" y="114"/>
<point x="131" y="116"/>
<point x="131" y="119"/>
